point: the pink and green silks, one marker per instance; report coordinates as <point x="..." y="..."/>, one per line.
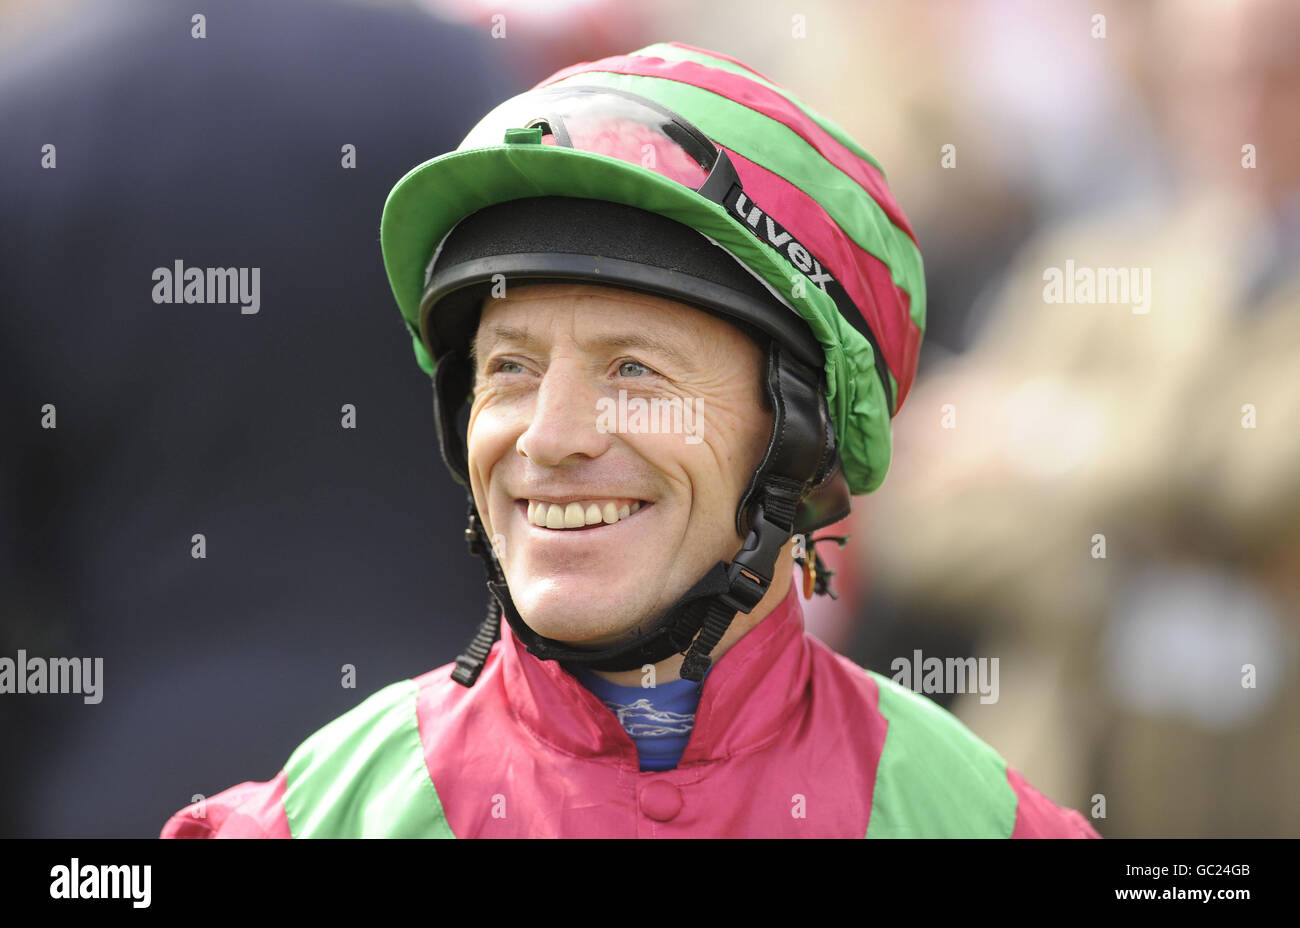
<point x="790" y="740"/>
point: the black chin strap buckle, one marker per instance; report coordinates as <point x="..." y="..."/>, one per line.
<point x="750" y="573"/>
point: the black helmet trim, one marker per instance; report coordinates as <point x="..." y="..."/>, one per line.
<point x="549" y="239"/>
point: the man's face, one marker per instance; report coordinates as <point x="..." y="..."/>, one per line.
<point x="595" y="400"/>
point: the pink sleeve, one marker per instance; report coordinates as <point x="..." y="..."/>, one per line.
<point x="249" y="810"/>
<point x="1039" y="817"/>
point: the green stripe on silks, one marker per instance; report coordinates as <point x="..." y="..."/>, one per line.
<point x="673" y="53"/>
<point x="935" y="779"/>
<point x="363" y="775"/>
<point x="782" y="151"/>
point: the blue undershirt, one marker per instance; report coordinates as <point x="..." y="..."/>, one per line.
<point x="658" y="718"/>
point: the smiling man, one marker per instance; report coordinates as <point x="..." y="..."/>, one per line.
<point x="599" y="533"/>
<point x="666" y="231"/>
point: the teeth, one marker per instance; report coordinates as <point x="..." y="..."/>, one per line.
<point x="579" y="514"/>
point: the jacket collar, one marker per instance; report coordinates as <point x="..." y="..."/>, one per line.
<point x="749" y="695"/>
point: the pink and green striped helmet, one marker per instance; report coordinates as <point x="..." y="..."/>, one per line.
<point x="797" y="202"/>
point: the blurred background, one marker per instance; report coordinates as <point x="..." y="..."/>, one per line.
<point x="1106" y="501"/>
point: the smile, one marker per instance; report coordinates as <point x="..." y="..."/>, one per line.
<point x="577" y="515"/>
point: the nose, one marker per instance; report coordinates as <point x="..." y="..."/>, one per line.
<point x="564" y="418"/>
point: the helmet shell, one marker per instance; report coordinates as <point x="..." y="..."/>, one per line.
<point x="796" y="167"/>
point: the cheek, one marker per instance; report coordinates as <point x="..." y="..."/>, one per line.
<point x="743" y="451"/>
<point x="743" y="442"/>
<point x="487" y="441"/>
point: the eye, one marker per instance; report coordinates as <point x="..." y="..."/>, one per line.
<point x="504" y="366"/>
<point x="633" y="369"/>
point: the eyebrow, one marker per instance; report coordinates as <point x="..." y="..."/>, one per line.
<point x="499" y="333"/>
<point x="635" y="340"/>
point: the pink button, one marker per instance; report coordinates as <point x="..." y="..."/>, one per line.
<point x="660" y="800"/>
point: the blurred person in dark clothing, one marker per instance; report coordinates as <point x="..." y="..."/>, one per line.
<point x="260" y="139"/>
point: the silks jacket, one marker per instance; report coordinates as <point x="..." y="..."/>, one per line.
<point x="790" y="740"/>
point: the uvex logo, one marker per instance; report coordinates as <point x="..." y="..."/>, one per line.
<point x="779" y="239"/>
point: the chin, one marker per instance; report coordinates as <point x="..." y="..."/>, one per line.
<point x="602" y="619"/>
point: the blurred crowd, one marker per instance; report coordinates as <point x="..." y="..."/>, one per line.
<point x="1104" y="496"/>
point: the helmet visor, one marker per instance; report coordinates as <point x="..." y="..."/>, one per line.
<point x="606" y="122"/>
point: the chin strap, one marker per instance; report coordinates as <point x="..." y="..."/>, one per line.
<point x="469" y="664"/>
<point x="750" y="573"/>
<point x="801" y="443"/>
